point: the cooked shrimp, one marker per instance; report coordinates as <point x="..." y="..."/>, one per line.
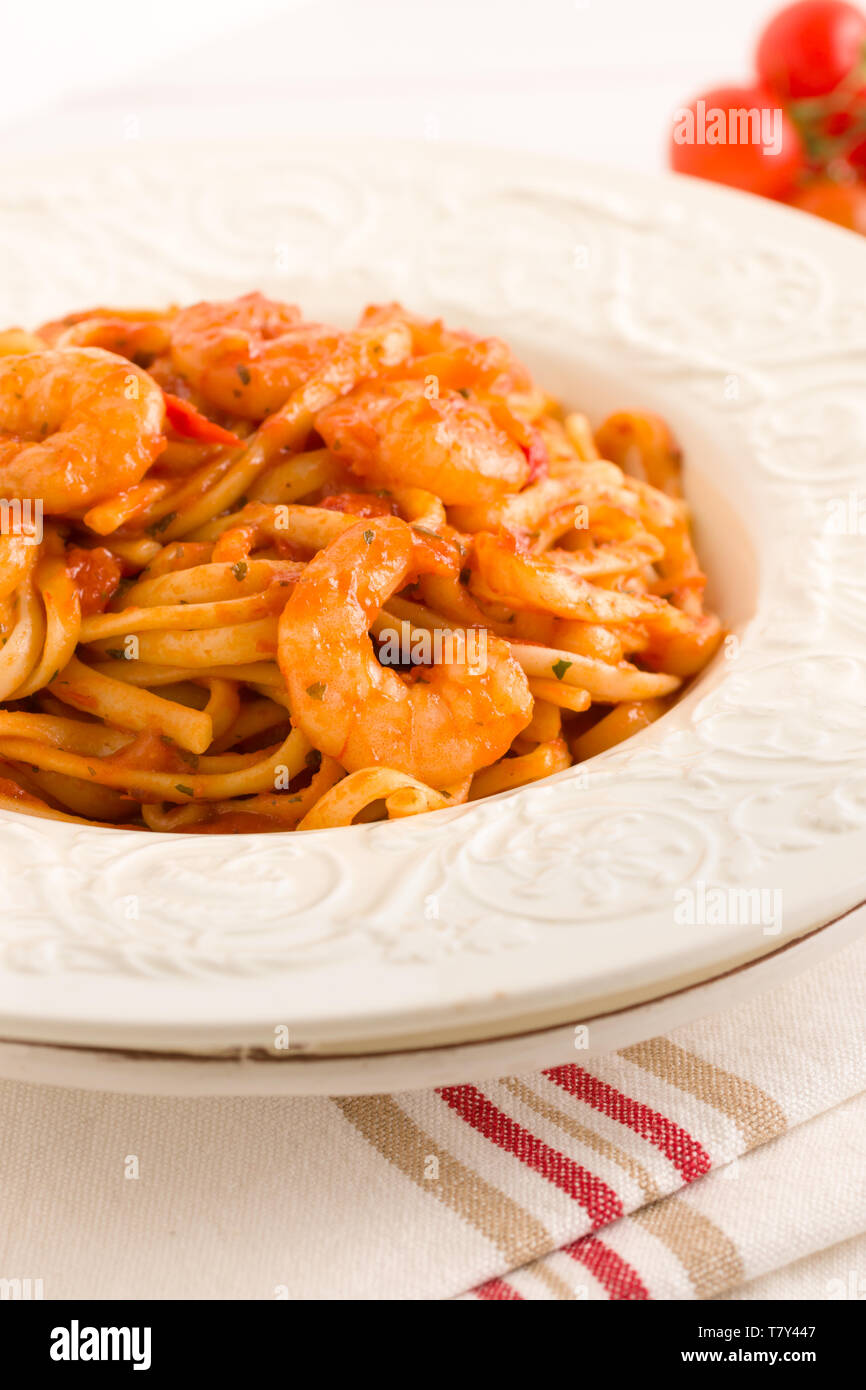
<point x="18" y="340"/>
<point x="139" y="334"/>
<point x="441" y="727"/>
<point x="481" y="369"/>
<point x="458" y="359"/>
<point x="559" y="582"/>
<point x="246" y="356"/>
<point x="76" y="425"/>
<point x="392" y="435"/>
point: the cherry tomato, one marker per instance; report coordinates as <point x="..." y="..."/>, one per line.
<point x="739" y="136"/>
<point x="96" y="574"/>
<point x="842" y="203"/>
<point x="856" y="157"/>
<point x="810" y="47"/>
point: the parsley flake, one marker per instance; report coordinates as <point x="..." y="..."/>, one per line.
<point x="163" y="524"/>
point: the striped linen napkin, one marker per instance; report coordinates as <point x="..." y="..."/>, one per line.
<point x="680" y="1168"/>
<point x="725" y="1160"/>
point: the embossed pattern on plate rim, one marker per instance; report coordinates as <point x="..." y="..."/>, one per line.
<point x="559" y="895"/>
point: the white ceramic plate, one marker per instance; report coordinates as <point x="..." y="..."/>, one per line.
<point x="742" y="322"/>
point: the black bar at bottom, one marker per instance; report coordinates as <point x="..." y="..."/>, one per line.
<point x="81" y="1338"/>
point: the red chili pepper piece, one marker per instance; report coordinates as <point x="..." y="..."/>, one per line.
<point x="189" y="422"/>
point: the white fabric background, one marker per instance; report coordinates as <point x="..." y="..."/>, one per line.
<point x="595" y="79"/>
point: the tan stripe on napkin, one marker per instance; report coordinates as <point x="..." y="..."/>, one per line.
<point x="501" y="1220"/>
<point x="709" y="1257"/>
<point x="584" y="1135"/>
<point x="558" y="1287"/>
<point x="758" y="1116"/>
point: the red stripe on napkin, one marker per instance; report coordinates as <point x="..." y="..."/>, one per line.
<point x="600" y="1201"/>
<point x="614" y="1273"/>
<point x="686" y="1154"/>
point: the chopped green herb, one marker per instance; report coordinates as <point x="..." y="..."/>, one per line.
<point x="239" y="570"/>
<point x="316" y="691"/>
<point x="162" y="525"/>
<point x="368" y="537"/>
<point x="243" y="373"/>
<point x="187" y="791"/>
<point x="560" y="667"/>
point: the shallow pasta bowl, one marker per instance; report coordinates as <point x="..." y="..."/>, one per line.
<point x="726" y="833"/>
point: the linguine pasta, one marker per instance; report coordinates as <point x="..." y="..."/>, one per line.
<point x="259" y="574"/>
